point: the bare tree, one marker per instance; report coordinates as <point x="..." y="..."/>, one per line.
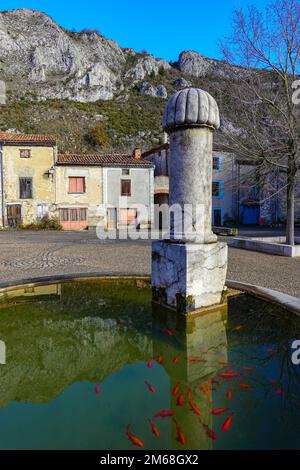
<point x="265" y="47"/>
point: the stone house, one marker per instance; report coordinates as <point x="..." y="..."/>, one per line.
<point x="241" y="195"/>
<point x="79" y="190"/>
<point x="27" y="186"/>
<point x="107" y="189"/>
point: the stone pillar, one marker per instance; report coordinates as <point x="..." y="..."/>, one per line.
<point x="189" y="269"/>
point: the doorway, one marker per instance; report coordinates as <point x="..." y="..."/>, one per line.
<point x="112" y="218"/>
<point x="14" y="214"/>
<point x="217" y="217"/>
<point x="74" y="218"/>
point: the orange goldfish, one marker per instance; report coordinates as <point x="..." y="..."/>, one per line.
<point x="134" y="439"/>
<point x="272" y="350"/>
<point x="195" y="408"/>
<point x="150" y="387"/>
<point x="227" y="423"/>
<point x="97" y="389"/>
<point x="229" y="374"/>
<point x="180" y="436"/>
<point x="229" y="393"/>
<point x="248" y="369"/>
<point x="180" y="400"/>
<point x="175" y="390"/>
<point x="244" y="386"/>
<point x="195" y="359"/>
<point x="224" y="363"/>
<point x="176" y="359"/>
<point x="218" y="411"/>
<point x="213" y="381"/>
<point x="160" y="359"/>
<point x="169" y="332"/>
<point x="189" y="394"/>
<point x="237" y="328"/>
<point x="164" y="414"/>
<point x="210" y="432"/>
<point x="204" y="389"/>
<point x="154" y="429"/>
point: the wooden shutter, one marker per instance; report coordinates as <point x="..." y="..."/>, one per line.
<point x="125" y="187"/>
<point x="80" y="185"/>
<point x="25" y="188"/>
<point x="76" y="184"/>
<point x="72" y="185"/>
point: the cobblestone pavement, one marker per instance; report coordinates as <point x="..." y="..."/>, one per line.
<point x="35" y="254"/>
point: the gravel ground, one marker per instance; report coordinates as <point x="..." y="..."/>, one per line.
<point x="36" y="254"/>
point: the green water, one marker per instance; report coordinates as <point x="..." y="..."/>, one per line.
<point x="64" y="340"/>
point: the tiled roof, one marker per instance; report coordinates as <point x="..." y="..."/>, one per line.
<point x="18" y="138"/>
<point x="108" y="160"/>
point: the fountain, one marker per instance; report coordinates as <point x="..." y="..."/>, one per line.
<point x="189" y="268"/>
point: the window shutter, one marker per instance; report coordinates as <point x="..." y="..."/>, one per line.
<point x="221" y="188"/>
<point x="80" y="185"/>
<point x="22" y="188"/>
<point x="220" y="164"/>
<point x="72" y="185"/>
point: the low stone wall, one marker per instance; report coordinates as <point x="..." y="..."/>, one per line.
<point x="272" y="245"/>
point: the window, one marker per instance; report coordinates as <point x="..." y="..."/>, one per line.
<point x="64" y="215"/>
<point x="73" y="215"/>
<point x="76" y="184"/>
<point x="82" y="214"/>
<point x="216" y="163"/>
<point x="218" y="189"/>
<point x="25" y="153"/>
<point x="125" y="172"/>
<point x="25" y="188"/>
<point x="42" y="211"/>
<point x="128" y="216"/>
<point x="125" y="188"/>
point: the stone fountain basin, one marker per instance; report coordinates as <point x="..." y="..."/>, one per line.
<point x="272" y="245"/>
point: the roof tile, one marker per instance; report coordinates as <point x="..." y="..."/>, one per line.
<point x="112" y="159"/>
<point x="15" y="138"/>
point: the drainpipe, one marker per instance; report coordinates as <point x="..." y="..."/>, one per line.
<point x="2" y="186"/>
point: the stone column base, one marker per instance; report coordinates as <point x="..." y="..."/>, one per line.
<point x="188" y="276"/>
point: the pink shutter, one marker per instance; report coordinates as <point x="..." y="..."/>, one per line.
<point x="80" y="185"/>
<point x="72" y="185"/>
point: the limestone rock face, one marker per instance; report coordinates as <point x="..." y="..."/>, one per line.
<point x="145" y="67"/>
<point x="55" y="62"/>
<point x="191" y="107"/>
<point x="182" y="83"/>
<point x="196" y="65"/>
<point x="159" y="91"/>
<point x="192" y="63"/>
<point x="41" y="60"/>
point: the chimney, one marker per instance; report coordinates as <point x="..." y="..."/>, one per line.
<point x="137" y="154"/>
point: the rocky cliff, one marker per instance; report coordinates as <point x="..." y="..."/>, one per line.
<point x="46" y="66"/>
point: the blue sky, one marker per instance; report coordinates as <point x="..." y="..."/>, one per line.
<point x="163" y="28"/>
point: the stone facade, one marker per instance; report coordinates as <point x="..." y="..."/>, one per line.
<point x="28" y="191"/>
<point x="81" y="191"/>
<point x="244" y="196"/>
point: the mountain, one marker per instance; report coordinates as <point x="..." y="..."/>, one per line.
<point x="70" y="83"/>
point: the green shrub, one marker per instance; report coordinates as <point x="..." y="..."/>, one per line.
<point x="98" y="137"/>
<point x="44" y="224"/>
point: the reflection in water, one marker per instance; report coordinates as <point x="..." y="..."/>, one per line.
<point x="198" y="346"/>
<point x="80" y="368"/>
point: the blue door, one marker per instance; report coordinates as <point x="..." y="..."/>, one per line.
<point x="251" y="214"/>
